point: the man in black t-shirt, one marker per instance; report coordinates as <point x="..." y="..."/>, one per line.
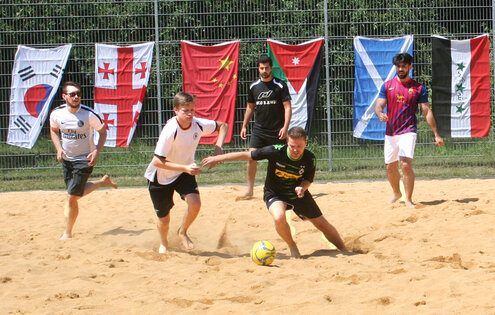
<point x="269" y="101"/>
<point x="290" y="172"/>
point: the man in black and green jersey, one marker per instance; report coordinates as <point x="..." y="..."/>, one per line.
<point x="290" y="172"/>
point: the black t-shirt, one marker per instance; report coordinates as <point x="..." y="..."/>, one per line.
<point x="283" y="173"/>
<point x="269" y="108"/>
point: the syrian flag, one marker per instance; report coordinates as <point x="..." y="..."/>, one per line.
<point x="36" y="76"/>
<point x="299" y="66"/>
<point x="461" y="86"/>
<point x="211" y="73"/>
<point x="374" y="66"/>
<point x="121" y="79"/>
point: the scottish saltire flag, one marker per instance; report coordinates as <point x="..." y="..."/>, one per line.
<point x="299" y="66"/>
<point x="461" y="86"/>
<point x="36" y="77"/>
<point x="373" y="66"/>
<point x="121" y="79"/>
<point x="211" y="73"/>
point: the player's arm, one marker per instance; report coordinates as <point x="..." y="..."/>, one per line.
<point x="282" y="134"/>
<point x="379" y="107"/>
<point x="163" y="163"/>
<point x="93" y="155"/>
<point x="233" y="156"/>
<point x="222" y="129"/>
<point x="430" y="119"/>
<point x="247" y="118"/>
<point x="55" y="135"/>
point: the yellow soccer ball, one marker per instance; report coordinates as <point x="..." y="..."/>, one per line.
<point x="263" y="253"/>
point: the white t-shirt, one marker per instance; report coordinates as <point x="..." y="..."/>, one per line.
<point x="178" y="146"/>
<point x="76" y="130"/>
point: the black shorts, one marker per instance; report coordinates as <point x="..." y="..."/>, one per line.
<point x="162" y="195"/>
<point x="305" y="207"/>
<point x="263" y="138"/>
<point x="76" y="175"/>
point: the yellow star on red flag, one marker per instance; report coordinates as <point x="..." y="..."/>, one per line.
<point x="225" y="63"/>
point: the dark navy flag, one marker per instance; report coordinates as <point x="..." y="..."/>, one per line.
<point x="373" y="66"/>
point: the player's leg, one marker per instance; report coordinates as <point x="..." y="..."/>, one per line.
<point x="407" y="144"/>
<point x="329" y="231"/>
<point x="187" y="187"/>
<point x="391" y="154"/>
<point x="277" y="211"/>
<point x="75" y="175"/>
<point x="163" y="225"/>
<point x="105" y="181"/>
<point x="162" y="199"/>
<point x="193" y="206"/>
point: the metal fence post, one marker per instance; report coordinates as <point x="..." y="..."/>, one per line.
<point x="158" y="79"/>
<point x="327" y="82"/>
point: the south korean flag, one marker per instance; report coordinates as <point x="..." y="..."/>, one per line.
<point x="36" y="76"/>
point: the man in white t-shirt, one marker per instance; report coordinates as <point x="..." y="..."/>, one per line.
<point x="71" y="130"/>
<point x="173" y="169"/>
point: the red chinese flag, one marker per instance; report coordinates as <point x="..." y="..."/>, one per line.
<point x="210" y="73"/>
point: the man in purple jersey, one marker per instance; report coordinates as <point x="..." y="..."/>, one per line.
<point x="402" y="95"/>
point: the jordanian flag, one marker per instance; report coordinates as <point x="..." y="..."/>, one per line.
<point x="299" y="66"/>
<point x="461" y="86"/>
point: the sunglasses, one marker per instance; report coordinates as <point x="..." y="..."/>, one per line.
<point x="72" y="94"/>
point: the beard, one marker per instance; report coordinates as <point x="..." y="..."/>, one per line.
<point x="402" y="75"/>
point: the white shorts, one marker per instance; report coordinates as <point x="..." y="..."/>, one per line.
<point x="399" y="145"/>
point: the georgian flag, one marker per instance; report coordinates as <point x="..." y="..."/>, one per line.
<point x="299" y="66"/>
<point x="211" y="73"/>
<point x="374" y="66"/>
<point x="36" y="77"/>
<point x="461" y="86"/>
<point x="121" y="79"/>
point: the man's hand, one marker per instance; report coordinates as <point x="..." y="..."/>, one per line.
<point x="383" y="117"/>
<point x="209" y="160"/>
<point x="93" y="157"/>
<point x="60" y="154"/>
<point x="438" y="141"/>
<point x="282" y="134"/>
<point x="193" y="169"/>
<point x="299" y="191"/>
<point x="243" y="133"/>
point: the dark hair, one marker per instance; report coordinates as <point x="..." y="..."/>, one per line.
<point x="183" y="98"/>
<point x="265" y="59"/>
<point x="296" y="133"/>
<point x="70" y="83"/>
<point x="402" y="57"/>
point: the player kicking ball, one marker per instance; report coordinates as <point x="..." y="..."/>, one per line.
<point x="290" y="172"/>
<point x="173" y="168"/>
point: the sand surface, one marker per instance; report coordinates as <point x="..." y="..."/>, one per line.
<point x="436" y="259"/>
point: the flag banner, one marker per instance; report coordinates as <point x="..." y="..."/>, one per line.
<point x="36" y="76"/>
<point x="461" y="86"/>
<point x="210" y="73"/>
<point x="299" y="66"/>
<point x="373" y="66"/>
<point x="121" y="79"/>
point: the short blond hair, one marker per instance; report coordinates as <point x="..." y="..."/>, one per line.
<point x="183" y="98"/>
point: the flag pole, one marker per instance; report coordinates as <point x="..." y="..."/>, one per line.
<point x="327" y="82"/>
<point x="158" y="78"/>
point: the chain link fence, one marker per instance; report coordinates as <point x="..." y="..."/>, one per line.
<point x="45" y="24"/>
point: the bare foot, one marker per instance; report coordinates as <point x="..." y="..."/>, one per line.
<point x="395" y="198"/>
<point x="162" y="249"/>
<point x="65" y="236"/>
<point x="244" y="197"/>
<point x="107" y="182"/>
<point x="186" y="241"/>
<point x="410" y="204"/>
<point x="294" y="253"/>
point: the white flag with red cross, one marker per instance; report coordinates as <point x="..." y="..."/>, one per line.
<point x="121" y="78"/>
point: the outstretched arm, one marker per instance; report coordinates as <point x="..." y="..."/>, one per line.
<point x="233" y="156"/>
<point x="430" y="119"/>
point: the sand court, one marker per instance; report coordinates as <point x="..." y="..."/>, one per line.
<point x="436" y="258"/>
